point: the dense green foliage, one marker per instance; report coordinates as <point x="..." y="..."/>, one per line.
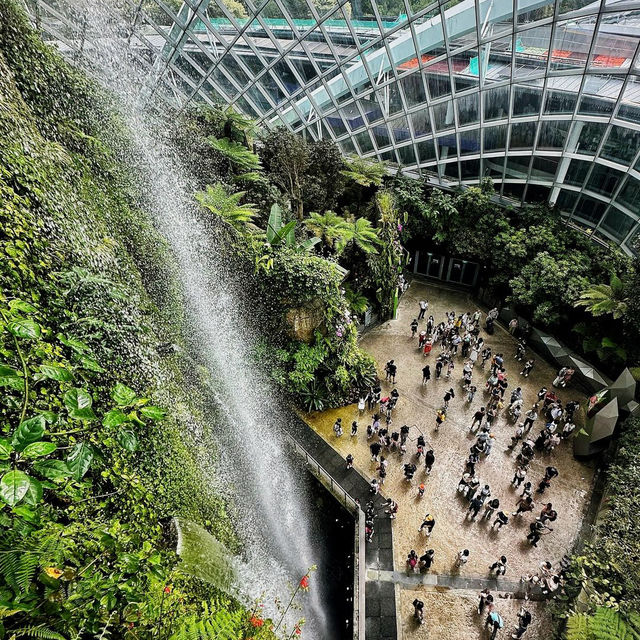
<point x="534" y="261"/>
<point x="608" y="567"/>
<point x="91" y="469"/>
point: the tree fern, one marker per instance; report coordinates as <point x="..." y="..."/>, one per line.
<point x="604" y="624"/>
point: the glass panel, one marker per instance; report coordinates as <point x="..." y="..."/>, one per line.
<point x="600" y="95"/>
<point x="420" y="123"/>
<point x="614" y="48"/>
<point x="617" y="223"/>
<point x="630" y="103"/>
<point x="630" y="194"/>
<point x="544" y="168"/>
<point x="443" y="116"/>
<point x="566" y="200"/>
<point x="526" y="100"/>
<point x="469" y="142"/>
<point x="591" y="134"/>
<point x="577" y="172"/>
<point x="426" y="151"/>
<point x="570" y="49"/>
<point x="589" y="209"/>
<point x="496" y="103"/>
<point x="621" y="145"/>
<point x="447" y="146"/>
<point x="470" y="169"/>
<point x="451" y="171"/>
<point x="532" y="51"/>
<point x="468" y="109"/>
<point x="381" y="135"/>
<point x="407" y="155"/>
<point x="400" y="129"/>
<point x="413" y="89"/>
<point x="495" y="138"/>
<point x="517" y="168"/>
<point x="552" y="134"/>
<point x="522" y="134"/>
<point x="494" y="167"/>
<point x="439" y="83"/>
<point x="537" y="193"/>
<point x="603" y="179"/>
<point x="515" y="191"/>
<point x="364" y="142"/>
<point x="562" y="94"/>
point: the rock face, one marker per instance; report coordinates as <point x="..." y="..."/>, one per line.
<point x="302" y="322"/>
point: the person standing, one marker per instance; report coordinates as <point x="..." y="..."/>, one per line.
<point x="524" y="620"/>
<point x="414" y="328"/>
<point x="462" y="558"/>
<point x="390" y="371"/>
<point x="428" y="523"/>
<point x="478" y="417"/>
<point x="441" y="416"/>
<point x="491" y="506"/>
<point x="474" y="507"/>
<point x="426" y="374"/>
<point x="424" y="305"/>
<point x="427" y="559"/>
<point x="530" y="417"/>
<point x="528" y="366"/>
<point x="484" y="599"/>
<point x="429" y="459"/>
<point x="501" y="520"/>
<point x="337" y="427"/>
<point x="448" y="396"/>
<point x="354" y="428"/>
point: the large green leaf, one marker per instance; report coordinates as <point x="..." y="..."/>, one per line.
<point x="21" y="305"/>
<point x="154" y="413"/>
<point x="91" y="364"/>
<point x="10" y="378"/>
<point x="38" y="449"/>
<point x="73" y="343"/>
<point x="275" y="222"/>
<point x="78" y="403"/>
<point x="56" y="372"/>
<point x="114" y="418"/>
<point x="127" y="439"/>
<point x="25" y="328"/>
<point x="13" y="487"/>
<point x="29" y="431"/>
<point x="123" y="396"/>
<point x="56" y="470"/>
<point x="34" y="492"/>
<point x="79" y="460"/>
<point x="5" y="449"/>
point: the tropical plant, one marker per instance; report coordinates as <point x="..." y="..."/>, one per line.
<point x="364" y="172"/>
<point x="332" y="229"/>
<point x="362" y="234"/>
<point x="605" y="347"/>
<point x="604" y="299"/>
<point x="236" y="153"/>
<point x="314" y="396"/>
<point x="603" y="624"/>
<point x="279" y="233"/>
<point x="357" y="302"/>
<point x="227" y="206"/>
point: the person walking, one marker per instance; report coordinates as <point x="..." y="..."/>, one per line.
<point x="439" y="365"/>
<point x="462" y="558"/>
<point x="525" y="505"/>
<point x="426" y="560"/>
<point x="441" y="416"/>
<point x="528" y="366"/>
<point x="418" y="611"/>
<point x="530" y="417"/>
<point x="337" y="427"/>
<point x="354" y="428"/>
<point x="501" y="520"/>
<point x="375" y="448"/>
<point x="490" y="507"/>
<point x="414" y="327"/>
<point x="519" y="476"/>
<point x="484" y="599"/>
<point x="426" y="374"/>
<point x="494" y="622"/>
<point x="474" y="507"/>
<point x="424" y="305"/>
<point x="448" y="396"/>
<point x="499" y="567"/>
<point x="349" y="461"/>
<point x="428" y="523"/>
<point x="429" y="459"/>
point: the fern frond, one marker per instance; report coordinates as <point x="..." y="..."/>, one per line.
<point x="41" y="633"/>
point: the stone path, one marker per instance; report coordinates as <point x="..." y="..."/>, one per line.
<point x="570" y="492"/>
<point x="380" y="596"/>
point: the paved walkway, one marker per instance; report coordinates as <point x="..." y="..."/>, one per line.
<point x="569" y="493"/>
<point x="380" y="596"/>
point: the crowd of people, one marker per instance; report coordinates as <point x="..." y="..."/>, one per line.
<point x="539" y="427"/>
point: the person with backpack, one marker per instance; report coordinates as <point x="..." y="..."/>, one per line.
<point x="524" y="620"/>
<point x="494" y="622"/>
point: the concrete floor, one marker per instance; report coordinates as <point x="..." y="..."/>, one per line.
<point x="569" y="493"/>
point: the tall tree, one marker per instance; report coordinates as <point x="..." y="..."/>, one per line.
<point x="285" y="157"/>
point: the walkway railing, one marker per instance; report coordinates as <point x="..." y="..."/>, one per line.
<point x="359" y="565"/>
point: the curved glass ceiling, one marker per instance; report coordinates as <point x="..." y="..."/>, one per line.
<point x="543" y="96"/>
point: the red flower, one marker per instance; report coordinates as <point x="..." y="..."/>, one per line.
<point x="297" y="630"/>
<point x="167" y="589"/>
<point x="255" y="621"/>
<point x="304" y="583"/>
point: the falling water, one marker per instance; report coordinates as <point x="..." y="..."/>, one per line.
<point x="272" y="512"/>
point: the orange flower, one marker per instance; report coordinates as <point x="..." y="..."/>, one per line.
<point x="255" y="621"/>
<point x="304" y="583"/>
<point x="53" y="572"/>
<point x="167" y="589"/>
